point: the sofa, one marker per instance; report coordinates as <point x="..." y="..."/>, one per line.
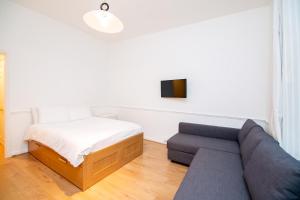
<point x="233" y="164"/>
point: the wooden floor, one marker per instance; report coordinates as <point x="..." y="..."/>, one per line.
<point x="150" y="176"/>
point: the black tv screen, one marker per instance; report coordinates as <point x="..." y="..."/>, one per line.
<point x="173" y="88"/>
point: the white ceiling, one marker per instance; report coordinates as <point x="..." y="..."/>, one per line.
<point x="141" y="16"/>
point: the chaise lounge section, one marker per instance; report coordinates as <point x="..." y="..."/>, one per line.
<point x="234" y="164"/>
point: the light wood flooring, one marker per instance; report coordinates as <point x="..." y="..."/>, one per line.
<point x="148" y="177"/>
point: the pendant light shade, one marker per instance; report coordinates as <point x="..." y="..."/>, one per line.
<point x="102" y="20"/>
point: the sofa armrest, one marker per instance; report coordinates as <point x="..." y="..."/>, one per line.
<point x="209" y="131"/>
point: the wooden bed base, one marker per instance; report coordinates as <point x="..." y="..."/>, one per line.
<point x="96" y="165"/>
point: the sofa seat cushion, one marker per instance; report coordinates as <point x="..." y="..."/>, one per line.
<point x="180" y="157"/>
<point x="271" y="173"/>
<point x="191" y="143"/>
<point x="214" y="175"/>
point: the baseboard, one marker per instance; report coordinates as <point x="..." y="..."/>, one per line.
<point x="155" y="140"/>
<point x="16" y="152"/>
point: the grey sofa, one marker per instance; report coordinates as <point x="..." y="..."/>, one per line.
<point x="233" y="164"/>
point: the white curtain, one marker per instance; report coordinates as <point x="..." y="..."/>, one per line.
<point x="285" y="120"/>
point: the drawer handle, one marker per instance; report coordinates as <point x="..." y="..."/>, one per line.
<point x="62" y="160"/>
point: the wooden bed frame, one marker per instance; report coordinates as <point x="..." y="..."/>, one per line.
<point x="96" y="165"/>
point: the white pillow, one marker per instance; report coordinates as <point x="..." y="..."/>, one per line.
<point x="81" y="112"/>
<point x="53" y="114"/>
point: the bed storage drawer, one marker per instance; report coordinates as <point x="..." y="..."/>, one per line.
<point x="102" y="163"/>
<point x="96" y="165"/>
<point x="56" y="162"/>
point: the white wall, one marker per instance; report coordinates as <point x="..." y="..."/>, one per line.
<point x="226" y="62"/>
<point x="48" y="63"/>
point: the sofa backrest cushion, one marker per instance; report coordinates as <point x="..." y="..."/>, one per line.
<point x="271" y="173"/>
<point x="248" y="125"/>
<point x="253" y="138"/>
<point x="225" y="133"/>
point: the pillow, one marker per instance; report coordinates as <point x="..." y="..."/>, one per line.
<point x="249" y="124"/>
<point x="53" y="114"/>
<point x="272" y="174"/>
<point x="254" y="137"/>
<point x="81" y="112"/>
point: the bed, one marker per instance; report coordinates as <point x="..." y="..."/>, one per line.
<point x="86" y="149"/>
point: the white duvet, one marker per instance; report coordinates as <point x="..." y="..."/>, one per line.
<point x="75" y="139"/>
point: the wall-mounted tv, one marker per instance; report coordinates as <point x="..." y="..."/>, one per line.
<point x="173" y="88"/>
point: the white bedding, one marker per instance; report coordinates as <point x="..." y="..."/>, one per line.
<point x="75" y="139"/>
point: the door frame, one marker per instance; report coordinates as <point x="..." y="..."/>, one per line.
<point x="4" y="103"/>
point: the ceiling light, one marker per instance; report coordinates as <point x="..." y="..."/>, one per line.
<point x="102" y="20"/>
